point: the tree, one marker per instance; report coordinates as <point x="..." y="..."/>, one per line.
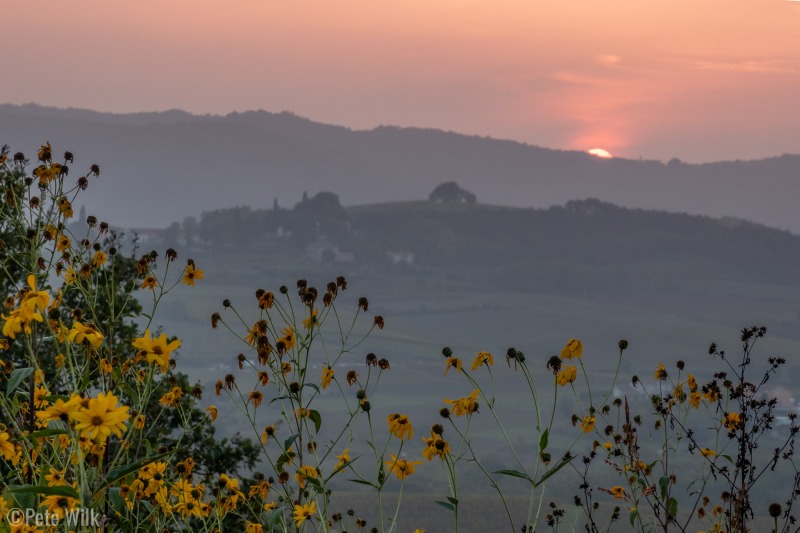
<point x="450" y="192"/>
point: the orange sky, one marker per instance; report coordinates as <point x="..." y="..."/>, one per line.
<point x="696" y="79"/>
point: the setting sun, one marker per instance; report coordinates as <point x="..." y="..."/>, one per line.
<point x="599" y="152"/>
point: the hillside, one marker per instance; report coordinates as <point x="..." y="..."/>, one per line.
<point x="166" y="166"/>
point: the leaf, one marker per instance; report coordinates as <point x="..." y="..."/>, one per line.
<point x="48" y="433"/>
<point x="514" y="473"/>
<point x="447" y="505"/>
<point x="543" y="441"/>
<point x="16" y="378"/>
<point x="288" y="442"/>
<point x="313" y="386"/>
<point x="316" y="418"/>
<point x="122" y="471"/>
<point x="564" y="462"/>
<point x="59" y="490"/>
<point x="634" y="516"/>
<point x="672" y="508"/>
<point x="663" y="485"/>
<point x="363" y="482"/>
<point x="452" y="500"/>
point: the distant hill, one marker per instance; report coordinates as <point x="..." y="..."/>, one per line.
<point x="161" y="167"/>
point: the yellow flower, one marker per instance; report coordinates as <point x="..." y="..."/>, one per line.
<point x="304" y="512"/>
<point x="567" y="375"/>
<point x="607" y="445"/>
<point x="402" y="468"/>
<point x="732" y="421"/>
<point x="343" y="459"/>
<point x="400" y="426"/>
<point x="707" y="452"/>
<point x="168" y="400"/>
<point x="618" y="492"/>
<point x="661" y="372"/>
<point x="55" y="478"/>
<point x="435" y="446"/>
<point x="309" y="322"/>
<point x="35" y="300"/>
<point x="7" y="449"/>
<point x="81" y="333"/>
<point x="60" y="360"/>
<point x="102" y="417"/>
<point x="149" y="283"/>
<point x="39" y="394"/>
<point x="60" y="505"/>
<point x="70" y="276"/>
<point x="269" y="506"/>
<point x="61" y="410"/>
<point x="452" y="362"/>
<point x="190" y="274"/>
<point x="481" y="359"/>
<point x="587" y="424"/>
<point x="19" y="320"/>
<point x="305" y="472"/>
<point x="269" y="431"/>
<point x="212" y="410"/>
<point x="99" y="259"/>
<point x="156" y="350"/>
<point x="63" y="243"/>
<point x="254" y="528"/>
<point x="691" y="382"/>
<point x="105" y="366"/>
<point x="327" y="376"/>
<point x="465" y="406"/>
<point x="573" y="348"/>
<point x="694" y="399"/>
<point x="288" y="337"/>
<point x="139" y="421"/>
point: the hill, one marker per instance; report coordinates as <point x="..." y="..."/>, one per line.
<point x="160" y="167"/>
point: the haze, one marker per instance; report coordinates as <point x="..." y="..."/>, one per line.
<point x="701" y="81"/>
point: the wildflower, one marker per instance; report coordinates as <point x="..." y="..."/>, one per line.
<point x="81" y="333"/>
<point x="254" y="528"/>
<point x="617" y="492"/>
<point x="327" y="376"/>
<point x="305" y="472"/>
<point x="465" y="406"/>
<point x="483" y="358"/>
<point x="55" y="478"/>
<point x="309" y="322"/>
<point x="7" y="449"/>
<point x="212" y="411"/>
<point x="691" y="382"/>
<point x="304" y="512"/>
<point x="661" y="372"/>
<point x="351" y="377"/>
<point x="732" y="421"/>
<point x="99" y="259"/>
<point x="707" y="452"/>
<point x="587" y="424"/>
<point x="265" y="300"/>
<point x="149" y="283"/>
<point x="105" y="366"/>
<point x="573" y="348"/>
<point x="70" y="277"/>
<point x="138" y="422"/>
<point x="35" y="300"/>
<point x="156" y="350"/>
<point x="288" y="337"/>
<point x="286" y="368"/>
<point x="344" y="458"/>
<point x="383" y="364"/>
<point x="263" y="377"/>
<point x="60" y="505"/>
<point x="402" y="468"/>
<point x="168" y="400"/>
<point x="452" y="362"/>
<point x="269" y="431"/>
<point x="190" y="274"/>
<point x="61" y="410"/>
<point x="694" y="399"/>
<point x="256" y="397"/>
<point x="39" y="394"/>
<point x="400" y="426"/>
<point x="567" y="375"/>
<point x="101" y="417"/>
<point x="435" y="446"/>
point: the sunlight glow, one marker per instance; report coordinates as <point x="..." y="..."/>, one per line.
<point x="599" y="152"/>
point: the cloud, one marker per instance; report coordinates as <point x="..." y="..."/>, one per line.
<point x="768" y="66"/>
<point x="609" y="59"/>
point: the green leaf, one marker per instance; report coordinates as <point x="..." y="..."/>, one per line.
<point x="363" y="482"/>
<point x="16" y="377"/>
<point x="447" y="505"/>
<point x="122" y="471"/>
<point x="543" y="440"/>
<point x="316" y="418"/>
<point x="634" y="516"/>
<point x="672" y="508"/>
<point x="452" y="500"/>
<point x="663" y="485"/>
<point x="564" y="462"/>
<point x="59" y="490"/>
<point x="48" y="433"/>
<point x="313" y="386"/>
<point x="288" y="442"/>
<point x="514" y="473"/>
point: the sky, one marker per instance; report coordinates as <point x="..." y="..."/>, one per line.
<point x="700" y="80"/>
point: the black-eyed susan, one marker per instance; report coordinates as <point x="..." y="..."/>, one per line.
<point x="587" y="424"/>
<point x="483" y="358"/>
<point x="212" y="411"/>
<point x="573" y="348"/>
<point x="567" y="375"/>
<point x="452" y="362"/>
<point x="190" y="274"/>
<point x="402" y="468"/>
<point x="344" y="458"/>
<point x="156" y="350"/>
<point x="617" y="491"/>
<point x="304" y="473"/>
<point x="101" y="417"/>
<point x="465" y="406"/>
<point x="60" y="505"/>
<point x="7" y="449"/>
<point x="87" y="333"/>
<point x="304" y="512"/>
<point x="400" y="426"/>
<point x="327" y="376"/>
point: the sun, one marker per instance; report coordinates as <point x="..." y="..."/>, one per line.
<point x="599" y="152"/>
